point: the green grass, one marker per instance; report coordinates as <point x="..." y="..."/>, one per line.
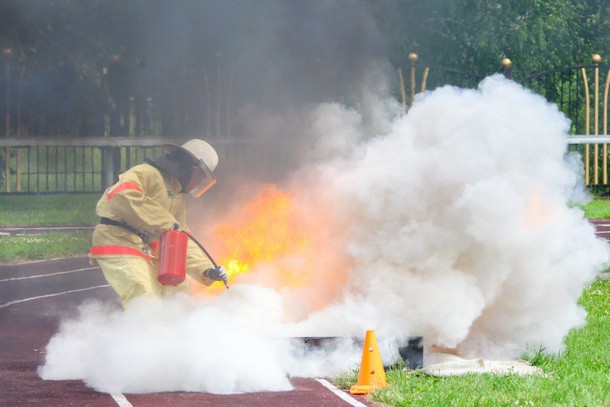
<point x="44" y="246"/>
<point x="579" y="376"/>
<point x="48" y="210"/>
<point x="597" y="209"/>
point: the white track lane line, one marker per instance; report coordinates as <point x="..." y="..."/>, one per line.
<point x="51" y="295"/>
<point x="341" y="394"/>
<point x="47" y="275"/>
<point x="121" y="400"/>
<point x="40" y="261"/>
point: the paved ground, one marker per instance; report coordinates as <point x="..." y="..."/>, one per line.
<point x="602" y="227"/>
<point x="34" y="296"/>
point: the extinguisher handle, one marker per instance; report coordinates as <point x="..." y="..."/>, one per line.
<point x="206" y="253"/>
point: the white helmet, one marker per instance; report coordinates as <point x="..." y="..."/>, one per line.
<point x="203" y="152"/>
<point x="206" y="158"/>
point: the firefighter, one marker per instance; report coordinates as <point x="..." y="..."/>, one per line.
<point x="147" y="201"/>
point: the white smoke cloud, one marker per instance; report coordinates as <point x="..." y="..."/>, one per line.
<point x="459" y="228"/>
<point x="231" y="345"/>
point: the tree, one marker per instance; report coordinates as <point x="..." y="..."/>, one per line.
<point x="57" y="50"/>
<point x="534" y="34"/>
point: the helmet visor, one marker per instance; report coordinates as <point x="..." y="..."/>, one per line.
<point x="207" y="180"/>
<point x="202" y="187"/>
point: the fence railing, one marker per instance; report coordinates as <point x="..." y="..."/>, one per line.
<point x="581" y="92"/>
<point x="40" y="166"/>
<point x="64" y="166"/>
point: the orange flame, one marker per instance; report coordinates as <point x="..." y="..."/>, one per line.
<point x="539" y="213"/>
<point x="263" y="231"/>
<point x="280" y="241"/>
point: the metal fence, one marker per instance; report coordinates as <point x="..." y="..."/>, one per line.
<point x="39" y="165"/>
<point x="64" y="166"/>
<point x="580" y="92"/>
<point x="430" y="77"/>
<point x="52" y="166"/>
<point x="52" y="169"/>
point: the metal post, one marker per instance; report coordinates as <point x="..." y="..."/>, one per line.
<point x="587" y="123"/>
<point x="605" y="125"/>
<point x="7" y="169"/>
<point x="106" y="123"/>
<point x="107" y="167"/>
<point x="403" y="92"/>
<point x="506" y="68"/>
<point x="413" y="58"/>
<point x="116" y="169"/>
<point x="424" y="79"/>
<point x="596" y="60"/>
<point x="132" y="117"/>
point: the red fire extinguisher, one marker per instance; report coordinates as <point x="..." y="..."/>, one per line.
<point x="172" y="257"/>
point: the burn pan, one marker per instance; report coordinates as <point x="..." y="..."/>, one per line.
<point x="410" y="349"/>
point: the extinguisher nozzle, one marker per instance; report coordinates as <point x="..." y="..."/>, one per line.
<point x="225" y="283"/>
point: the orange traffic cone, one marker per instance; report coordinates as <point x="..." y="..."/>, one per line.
<point x="371" y="375"/>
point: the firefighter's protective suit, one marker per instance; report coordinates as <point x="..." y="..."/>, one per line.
<point x="148" y="199"/>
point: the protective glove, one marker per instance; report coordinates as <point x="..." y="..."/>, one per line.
<point x="216" y="274"/>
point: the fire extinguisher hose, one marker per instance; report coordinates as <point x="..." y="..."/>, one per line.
<point x="206" y="253"/>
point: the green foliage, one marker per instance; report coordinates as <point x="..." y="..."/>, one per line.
<point x="536" y="35"/>
<point x="55" y="49"/>
<point x="347" y="379"/>
<point x="538" y="357"/>
<point x="139" y="67"/>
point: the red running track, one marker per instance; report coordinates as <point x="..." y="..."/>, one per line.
<point x="33" y="298"/>
<point x="602" y="228"/>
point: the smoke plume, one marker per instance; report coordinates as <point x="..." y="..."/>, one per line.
<point x="460" y="224"/>
<point x="232" y="345"/>
<point x="454" y="221"/>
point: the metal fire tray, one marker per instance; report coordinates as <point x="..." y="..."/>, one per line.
<point x="411" y="349"/>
